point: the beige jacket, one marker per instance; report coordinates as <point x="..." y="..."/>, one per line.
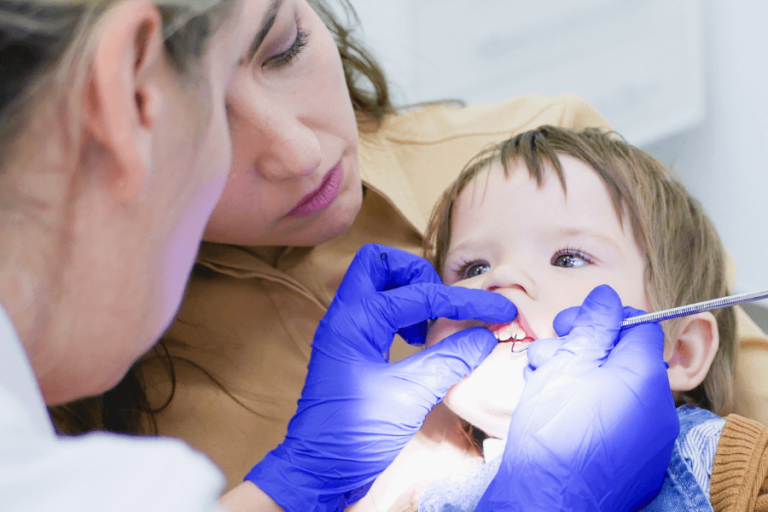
<point x="242" y="339"/>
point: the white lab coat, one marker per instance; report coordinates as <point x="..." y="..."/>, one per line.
<point x="96" y="472"/>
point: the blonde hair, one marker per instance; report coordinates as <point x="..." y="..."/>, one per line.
<point x="45" y="48"/>
<point x="685" y="261"/>
<point x="126" y="408"/>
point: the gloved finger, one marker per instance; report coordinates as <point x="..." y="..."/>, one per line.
<point x="641" y="346"/>
<point x="597" y="325"/>
<point x="650" y="335"/>
<point x="378" y="267"/>
<point x="629" y="312"/>
<point x="444" y="364"/>
<point x="415" y="334"/>
<point x="424" y="301"/>
<point x="564" y="321"/>
<point x="541" y="351"/>
<point x="391" y="310"/>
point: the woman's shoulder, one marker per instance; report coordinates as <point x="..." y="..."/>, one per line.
<point x="416" y="154"/>
<point x="437" y="121"/>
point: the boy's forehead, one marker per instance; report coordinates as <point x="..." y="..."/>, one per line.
<point x="516" y="178"/>
<point x="493" y="199"/>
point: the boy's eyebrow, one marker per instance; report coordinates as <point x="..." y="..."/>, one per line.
<point x="568" y="232"/>
<point x="266" y="26"/>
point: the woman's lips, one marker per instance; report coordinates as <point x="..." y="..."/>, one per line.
<point x="319" y="199"/>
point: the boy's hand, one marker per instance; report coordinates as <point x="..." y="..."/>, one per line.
<point x="357" y="411"/>
<point x="596" y="423"/>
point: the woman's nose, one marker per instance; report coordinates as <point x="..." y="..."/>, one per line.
<point x="276" y="140"/>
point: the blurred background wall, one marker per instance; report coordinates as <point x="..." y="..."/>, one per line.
<point x="684" y="79"/>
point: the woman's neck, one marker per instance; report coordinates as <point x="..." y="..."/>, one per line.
<point x="33" y="255"/>
<point x="26" y="287"/>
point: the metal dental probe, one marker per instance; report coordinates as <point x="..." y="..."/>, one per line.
<point x="690" y="309"/>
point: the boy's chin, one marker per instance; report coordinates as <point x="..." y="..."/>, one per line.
<point x="493" y="421"/>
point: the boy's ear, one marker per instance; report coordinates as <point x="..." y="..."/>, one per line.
<point x="693" y="348"/>
<point x="122" y="95"/>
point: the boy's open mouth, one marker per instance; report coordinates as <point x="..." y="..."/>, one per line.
<point x="517" y="332"/>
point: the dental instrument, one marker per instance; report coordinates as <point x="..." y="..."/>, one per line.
<point x="690" y="309"/>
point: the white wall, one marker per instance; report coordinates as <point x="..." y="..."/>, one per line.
<point x="724" y="161"/>
<point x="640" y="63"/>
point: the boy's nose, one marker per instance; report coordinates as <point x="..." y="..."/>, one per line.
<point x="508" y="277"/>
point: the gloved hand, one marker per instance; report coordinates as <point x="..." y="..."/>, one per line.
<point x="596" y="423"/>
<point x="357" y="411"/>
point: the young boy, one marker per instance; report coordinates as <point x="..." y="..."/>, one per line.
<point x="544" y="218"/>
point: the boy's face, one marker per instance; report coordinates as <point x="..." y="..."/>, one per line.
<point x="543" y="250"/>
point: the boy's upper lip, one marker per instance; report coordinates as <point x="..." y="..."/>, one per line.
<point x="519" y="320"/>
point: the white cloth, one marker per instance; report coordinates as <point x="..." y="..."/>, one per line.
<point x="96" y="472"/>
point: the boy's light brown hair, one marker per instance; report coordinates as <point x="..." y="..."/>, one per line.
<point x="685" y="261"/>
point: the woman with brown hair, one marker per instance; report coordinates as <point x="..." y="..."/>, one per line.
<point x="114" y="149"/>
<point x="322" y="165"/>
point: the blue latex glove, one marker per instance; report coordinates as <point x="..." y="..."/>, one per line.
<point x="596" y="423"/>
<point x="357" y="411"/>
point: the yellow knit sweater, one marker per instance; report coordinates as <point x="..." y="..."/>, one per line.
<point x="739" y="473"/>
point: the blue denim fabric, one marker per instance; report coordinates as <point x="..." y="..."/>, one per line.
<point x="686" y="484"/>
<point x="692" y="457"/>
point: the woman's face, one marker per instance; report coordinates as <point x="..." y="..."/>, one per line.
<point x="295" y="177"/>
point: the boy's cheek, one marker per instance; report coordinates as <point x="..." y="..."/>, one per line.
<point x="444" y="327"/>
<point x="488" y="397"/>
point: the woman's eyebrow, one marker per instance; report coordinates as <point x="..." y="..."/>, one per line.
<point x="266" y="25"/>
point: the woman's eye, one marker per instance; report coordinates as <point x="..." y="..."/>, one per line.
<point x="473" y="269"/>
<point x="286" y="57"/>
<point x="571" y="259"/>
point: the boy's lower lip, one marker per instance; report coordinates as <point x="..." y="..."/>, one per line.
<point x="523" y="323"/>
<point x="319" y="199"/>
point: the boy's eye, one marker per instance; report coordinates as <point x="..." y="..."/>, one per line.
<point x="570" y="259"/>
<point x="473" y="269"/>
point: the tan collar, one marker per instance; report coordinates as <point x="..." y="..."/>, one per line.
<point x="381" y="171"/>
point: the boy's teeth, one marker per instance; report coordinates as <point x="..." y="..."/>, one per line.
<point x="510" y="332"/>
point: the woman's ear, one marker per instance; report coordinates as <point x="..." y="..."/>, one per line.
<point x="123" y="96"/>
<point x="693" y="348"/>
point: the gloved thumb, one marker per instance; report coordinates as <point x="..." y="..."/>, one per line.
<point x="565" y="320"/>
<point x="543" y="349"/>
<point x="597" y="324"/>
<point x="441" y="366"/>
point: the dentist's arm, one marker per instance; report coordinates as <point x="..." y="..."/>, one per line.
<point x="357" y="411"/>
<point x="595" y="426"/>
